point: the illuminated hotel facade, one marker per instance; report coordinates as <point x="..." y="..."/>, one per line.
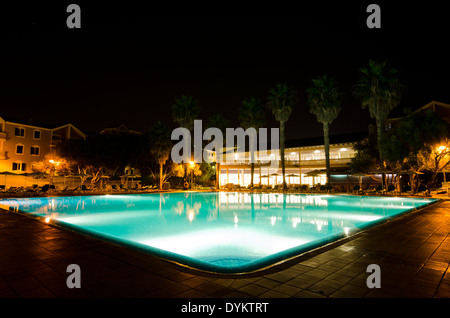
<point x="24" y="143"/>
<point x="305" y="159"/>
<point x="304" y="162"/>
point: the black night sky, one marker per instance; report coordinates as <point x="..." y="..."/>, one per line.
<point x="128" y="62"/>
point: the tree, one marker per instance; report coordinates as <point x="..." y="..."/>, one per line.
<point x="365" y="159"/>
<point x="251" y="114"/>
<point x="281" y="101"/>
<point x="379" y="90"/>
<point x="102" y="152"/>
<point x="193" y="170"/>
<point x="417" y="142"/>
<point x="184" y="111"/>
<point x="435" y="158"/>
<point x="52" y="165"/>
<point x="160" y="147"/>
<point x="324" y="99"/>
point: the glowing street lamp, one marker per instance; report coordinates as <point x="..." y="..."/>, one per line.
<point x="442" y="148"/>
<point x="54" y="162"/>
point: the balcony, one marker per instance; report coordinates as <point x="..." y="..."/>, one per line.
<point x="321" y="162"/>
<point x="2" y="136"/>
<point x="294" y="163"/>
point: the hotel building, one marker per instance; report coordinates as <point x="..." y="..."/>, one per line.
<point x="304" y="162"/>
<point x="24" y="143"/>
<point x="305" y="159"/>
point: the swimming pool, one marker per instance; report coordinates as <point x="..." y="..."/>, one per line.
<point x="222" y="232"/>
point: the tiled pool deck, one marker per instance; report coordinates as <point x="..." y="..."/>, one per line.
<point x="413" y="253"/>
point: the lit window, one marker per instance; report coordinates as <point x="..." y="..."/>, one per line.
<point x="19" y="132"/>
<point x="37" y="134"/>
<point x="19" y="149"/>
<point x="34" y="150"/>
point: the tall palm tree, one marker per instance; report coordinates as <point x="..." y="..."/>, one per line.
<point x="379" y="90"/>
<point x="160" y="146"/>
<point x="281" y="101"/>
<point x="252" y="115"/>
<point x="324" y="99"/>
<point x="184" y="111"/>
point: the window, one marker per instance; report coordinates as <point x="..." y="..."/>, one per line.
<point x="19" y="149"/>
<point x="19" y="132"/>
<point x="37" y="134"/>
<point x="34" y="150"/>
<point x="19" y="166"/>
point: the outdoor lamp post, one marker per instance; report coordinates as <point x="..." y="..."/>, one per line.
<point x="192" y="164"/>
<point x="55" y="164"/>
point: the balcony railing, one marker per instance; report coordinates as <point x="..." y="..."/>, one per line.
<point x="2" y="136"/>
<point x="295" y="163"/>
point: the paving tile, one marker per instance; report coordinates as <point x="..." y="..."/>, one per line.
<point x="173" y="288"/>
<point x="323" y="288"/>
<point x="254" y="290"/>
<point x="303" y="281"/>
<point x="225" y="282"/>
<point x="273" y="294"/>
<point x="443" y="291"/>
<point x="288" y="289"/>
<point x="192" y="282"/>
<point x="212" y="289"/>
<point x="281" y="277"/>
<point x="308" y="294"/>
<point x="344" y="294"/>
<point x="352" y="291"/>
<point x="37" y="293"/>
<point x="192" y="293"/>
<point x="418" y="290"/>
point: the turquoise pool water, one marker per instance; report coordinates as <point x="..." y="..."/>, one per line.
<point x="218" y="231"/>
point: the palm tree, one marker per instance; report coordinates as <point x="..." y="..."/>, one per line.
<point x="324" y="99"/>
<point x="184" y="111"/>
<point x="379" y="90"/>
<point x="252" y="115"/>
<point x="160" y="146"/>
<point x="281" y="101"/>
